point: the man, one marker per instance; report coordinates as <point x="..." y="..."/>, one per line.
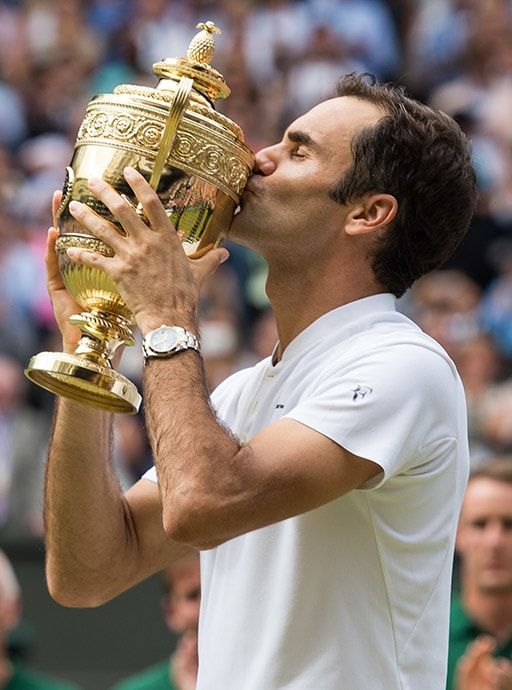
<point x="481" y="616"/>
<point x="325" y="493"/>
<point x="13" y="676"/>
<point x="181" y="611"/>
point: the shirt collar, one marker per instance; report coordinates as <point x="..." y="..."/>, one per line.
<point x="344" y="321"/>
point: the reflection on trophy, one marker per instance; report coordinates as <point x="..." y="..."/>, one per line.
<point x="195" y="159"/>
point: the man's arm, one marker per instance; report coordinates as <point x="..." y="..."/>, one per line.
<point x="99" y="543"/>
<point x="213" y="488"/>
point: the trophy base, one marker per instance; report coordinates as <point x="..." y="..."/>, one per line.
<point x="84" y="381"/>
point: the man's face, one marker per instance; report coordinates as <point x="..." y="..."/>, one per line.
<point x="181" y="604"/>
<point x="287" y="199"/>
<point x="484" y="539"/>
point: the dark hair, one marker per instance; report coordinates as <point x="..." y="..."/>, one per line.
<point x="499" y="469"/>
<point x="421" y="157"/>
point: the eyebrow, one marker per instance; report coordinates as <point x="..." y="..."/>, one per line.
<point x="299" y="137"/>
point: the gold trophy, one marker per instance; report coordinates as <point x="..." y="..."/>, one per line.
<point x="195" y="159"/>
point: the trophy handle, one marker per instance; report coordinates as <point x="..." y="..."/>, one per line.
<point x="178" y="107"/>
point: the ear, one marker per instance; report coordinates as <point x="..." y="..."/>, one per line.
<point x="460" y="539"/>
<point x="10" y="614"/>
<point x="168" y="611"/>
<point x="371" y="214"/>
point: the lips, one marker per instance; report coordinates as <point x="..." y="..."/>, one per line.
<point x="251" y="186"/>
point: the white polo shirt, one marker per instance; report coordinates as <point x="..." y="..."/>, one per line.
<point x="353" y="595"/>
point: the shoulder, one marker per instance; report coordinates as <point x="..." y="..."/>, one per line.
<point x="400" y="356"/>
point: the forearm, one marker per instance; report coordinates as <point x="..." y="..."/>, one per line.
<point x="87" y="526"/>
<point x="193" y="453"/>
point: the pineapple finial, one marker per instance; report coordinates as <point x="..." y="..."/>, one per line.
<point x="202" y="46"/>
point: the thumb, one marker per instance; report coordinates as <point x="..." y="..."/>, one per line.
<point x="208" y="264"/>
<point x="56" y="201"/>
<point x="53" y="277"/>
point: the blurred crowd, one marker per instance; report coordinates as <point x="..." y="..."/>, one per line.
<point x="280" y="57"/>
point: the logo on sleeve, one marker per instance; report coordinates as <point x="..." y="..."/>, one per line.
<point x="360" y="392"/>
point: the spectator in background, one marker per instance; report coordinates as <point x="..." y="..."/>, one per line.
<point x="481" y="615"/>
<point x="445" y="305"/>
<point x="180" y="606"/>
<point x="23" y="439"/>
<point x="12" y="675"/>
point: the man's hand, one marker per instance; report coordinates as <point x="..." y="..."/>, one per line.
<point x="184" y="663"/>
<point x="156" y="280"/>
<point x="479" y="670"/>
<point x="62" y="302"/>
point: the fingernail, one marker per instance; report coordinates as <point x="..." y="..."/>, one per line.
<point x="225" y="256"/>
<point x="94" y="182"/>
<point x="128" y="171"/>
<point x="72" y="252"/>
<point x="74" y="206"/>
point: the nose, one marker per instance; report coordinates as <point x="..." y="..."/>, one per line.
<point x="265" y="161"/>
<point x="496" y="534"/>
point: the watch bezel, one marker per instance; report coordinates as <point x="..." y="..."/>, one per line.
<point x="167" y="330"/>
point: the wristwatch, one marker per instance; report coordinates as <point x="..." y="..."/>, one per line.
<point x="167" y="340"/>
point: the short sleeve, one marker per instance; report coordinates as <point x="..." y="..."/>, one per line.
<point x="386" y="407"/>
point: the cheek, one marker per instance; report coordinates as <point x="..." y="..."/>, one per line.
<point x="471" y="544"/>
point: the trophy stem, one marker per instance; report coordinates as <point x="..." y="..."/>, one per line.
<point x="87" y="375"/>
<point x="102" y="334"/>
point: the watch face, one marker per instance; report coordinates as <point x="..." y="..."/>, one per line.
<point x="163" y="340"/>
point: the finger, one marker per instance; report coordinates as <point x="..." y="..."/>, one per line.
<point x="53" y="276"/>
<point x="482" y="645"/>
<point x="120" y="207"/>
<point x="209" y="263"/>
<point x="149" y="201"/>
<point x="97" y="225"/>
<point x="87" y="258"/>
<point x="504" y="673"/>
<point x="56" y="202"/>
<point x="505" y="667"/>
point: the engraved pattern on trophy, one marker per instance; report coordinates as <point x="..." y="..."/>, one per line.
<point x="196" y="161"/>
<point x="140" y="131"/>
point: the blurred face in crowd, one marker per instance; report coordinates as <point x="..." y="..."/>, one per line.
<point x="287" y="202"/>
<point x="182" y="601"/>
<point x="484" y="539"/>
<point x="10" y="598"/>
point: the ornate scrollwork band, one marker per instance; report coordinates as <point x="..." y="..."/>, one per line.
<point x="221" y="161"/>
<point x="64" y="242"/>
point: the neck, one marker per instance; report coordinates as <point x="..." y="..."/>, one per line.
<point x="492" y="611"/>
<point x="300" y="294"/>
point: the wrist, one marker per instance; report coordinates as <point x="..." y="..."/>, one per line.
<point x="150" y="322"/>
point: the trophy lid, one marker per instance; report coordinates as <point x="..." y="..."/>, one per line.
<point x="196" y="65"/>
